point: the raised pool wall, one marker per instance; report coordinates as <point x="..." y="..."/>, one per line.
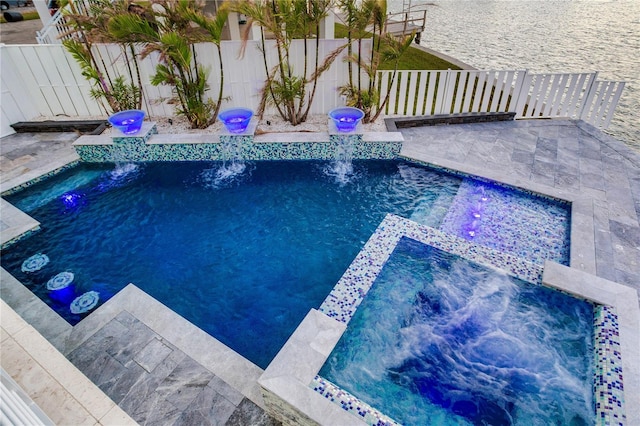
<point x="151" y="146"/>
<point x="294" y="393"/>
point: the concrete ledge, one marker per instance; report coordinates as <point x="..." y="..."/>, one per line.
<point x="51" y="168"/>
<point x="393" y="124"/>
<point x="15" y="223"/>
<point x="285" y="382"/>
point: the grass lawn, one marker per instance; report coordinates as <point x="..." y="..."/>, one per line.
<point x="413" y="59"/>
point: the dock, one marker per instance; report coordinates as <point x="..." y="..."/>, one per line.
<point x="405" y="23"/>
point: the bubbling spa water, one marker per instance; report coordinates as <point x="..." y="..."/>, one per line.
<point x="441" y="340"/>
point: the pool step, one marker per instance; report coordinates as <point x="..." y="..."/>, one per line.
<point x="431" y="213"/>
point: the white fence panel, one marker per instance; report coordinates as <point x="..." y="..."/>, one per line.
<point x="16" y="102"/>
<point x="45" y="80"/>
<point x="448" y="92"/>
<point x="555" y="95"/>
<point x="606" y="95"/>
<point x="528" y="95"/>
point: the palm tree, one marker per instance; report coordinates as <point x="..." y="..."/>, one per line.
<point x="213" y="28"/>
<point x="165" y="27"/>
<point x="119" y="91"/>
<point x="367" y="20"/>
<point x="286" y="20"/>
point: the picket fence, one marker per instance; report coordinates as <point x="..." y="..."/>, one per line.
<point x="45" y="81"/>
<point x="578" y="95"/>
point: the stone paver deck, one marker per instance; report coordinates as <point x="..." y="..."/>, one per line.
<point x="570" y="160"/>
<point x="566" y="159"/>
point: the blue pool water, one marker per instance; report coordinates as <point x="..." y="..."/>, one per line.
<point x="442" y="340"/>
<point x="244" y="257"/>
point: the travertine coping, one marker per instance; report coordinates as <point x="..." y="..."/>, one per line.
<point x="225" y="363"/>
<point x="288" y="376"/>
<point x="64" y="394"/>
<point x="16" y="223"/>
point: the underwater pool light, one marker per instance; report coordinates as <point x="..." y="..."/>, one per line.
<point x="61" y="288"/>
<point x="71" y="199"/>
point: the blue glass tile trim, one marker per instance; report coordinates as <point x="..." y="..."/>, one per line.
<point x="40" y="178"/>
<point x="350" y="403"/>
<point x="19" y="238"/>
<point x="348" y="293"/>
<point x="608" y="386"/>
<point x="133" y="150"/>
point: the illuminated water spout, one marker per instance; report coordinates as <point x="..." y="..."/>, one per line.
<point x="236" y="120"/>
<point x="128" y="122"/>
<point x="345" y="120"/>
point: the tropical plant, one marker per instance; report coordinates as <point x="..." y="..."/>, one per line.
<point x="289" y="90"/>
<point x="165" y="27"/>
<point x="213" y="28"/>
<point x="119" y="92"/>
<point x="367" y="20"/>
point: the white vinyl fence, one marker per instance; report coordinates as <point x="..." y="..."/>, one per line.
<point x="577" y="96"/>
<point x="44" y="80"/>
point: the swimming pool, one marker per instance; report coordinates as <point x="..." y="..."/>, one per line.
<point x="243" y="259"/>
<point x="442" y="340"/>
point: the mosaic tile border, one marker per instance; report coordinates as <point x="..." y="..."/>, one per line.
<point x="40" y="178"/>
<point x="608" y="386"/>
<point x="350" y="403"/>
<point x="350" y="290"/>
<point x="137" y="150"/>
<point x="346" y="296"/>
<point x="19" y="238"/>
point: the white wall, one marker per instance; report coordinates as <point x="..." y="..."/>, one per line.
<point x="45" y="80"/>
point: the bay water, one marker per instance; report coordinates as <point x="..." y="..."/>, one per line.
<point x="545" y="36"/>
